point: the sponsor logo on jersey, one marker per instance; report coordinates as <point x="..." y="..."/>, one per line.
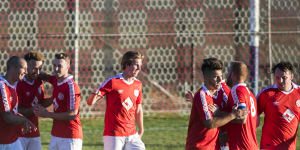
<point x="27" y="93"/>
<point x="60" y="96"/>
<point x="275" y="103"/>
<point x="127" y="103"/>
<point x="298" y="103"/>
<point x="136" y="93"/>
<point x="288" y="115"/>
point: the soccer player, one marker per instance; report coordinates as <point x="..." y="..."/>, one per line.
<point x="30" y="92"/>
<point x="203" y="125"/>
<point x="66" y="130"/>
<point x="241" y="132"/>
<point x="123" y="106"/>
<point x="10" y="119"/>
<point x="281" y="105"/>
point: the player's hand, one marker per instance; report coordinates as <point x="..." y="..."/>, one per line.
<point x="213" y="108"/>
<point x="40" y="111"/>
<point x="240" y="114"/>
<point x="189" y="96"/>
<point x="28" y="127"/>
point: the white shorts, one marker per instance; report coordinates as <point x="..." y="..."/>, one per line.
<point x="31" y="143"/>
<point x="57" y="143"/>
<point x="132" y="142"/>
<point x="13" y="146"/>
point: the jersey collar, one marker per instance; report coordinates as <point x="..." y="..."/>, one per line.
<point x="30" y="83"/>
<point x="65" y="80"/>
<point x="286" y="93"/>
<point x="210" y="94"/>
<point x="239" y="84"/>
<point x="120" y="75"/>
<point x="7" y="83"/>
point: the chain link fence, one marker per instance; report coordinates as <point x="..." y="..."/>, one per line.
<point x="174" y="35"/>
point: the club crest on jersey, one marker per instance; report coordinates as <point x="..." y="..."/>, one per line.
<point x="60" y="96"/>
<point x="127" y="103"/>
<point x="136" y="93"/>
<point x="288" y="115"/>
<point x="27" y="93"/>
<point x="40" y="90"/>
<point x="298" y="103"/>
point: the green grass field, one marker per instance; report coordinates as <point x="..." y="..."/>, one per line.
<point x="162" y="132"/>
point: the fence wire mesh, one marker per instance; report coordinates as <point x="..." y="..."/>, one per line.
<point x="174" y="35"/>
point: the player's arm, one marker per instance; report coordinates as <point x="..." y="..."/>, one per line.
<point x="139" y="119"/>
<point x="25" y="111"/>
<point x="94" y="97"/>
<point x="219" y="121"/>
<point x="43" y="112"/>
<point x="12" y="119"/>
<point x="44" y="76"/>
<point x="46" y="102"/>
<point x="189" y="96"/>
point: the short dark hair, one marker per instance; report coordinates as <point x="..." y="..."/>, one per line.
<point x="63" y="56"/>
<point x="211" y="64"/>
<point x="13" y="62"/>
<point x="34" y="55"/>
<point x="283" y="66"/>
<point x="129" y="57"/>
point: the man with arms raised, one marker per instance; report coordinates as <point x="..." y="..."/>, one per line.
<point x="242" y="132"/>
<point x="281" y="105"/>
<point x="30" y="92"/>
<point x="203" y="125"/>
<point x="66" y="130"/>
<point x="10" y="119"/>
<point x="123" y="106"/>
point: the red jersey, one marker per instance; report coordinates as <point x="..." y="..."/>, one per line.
<point x="282" y="115"/>
<point x="30" y="94"/>
<point x="66" y="96"/>
<point x="122" y="99"/>
<point x="199" y="137"/>
<point x="8" y="103"/>
<point x="243" y="136"/>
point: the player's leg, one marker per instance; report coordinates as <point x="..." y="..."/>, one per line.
<point x="53" y="143"/>
<point x="24" y="142"/>
<point x="134" y="142"/>
<point x="34" y="143"/>
<point x="113" y="142"/>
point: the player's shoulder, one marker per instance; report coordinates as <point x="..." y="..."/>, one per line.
<point x="268" y="90"/>
<point x="239" y="87"/>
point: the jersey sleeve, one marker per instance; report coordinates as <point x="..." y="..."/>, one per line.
<point x="4" y="104"/>
<point x="201" y="105"/>
<point x="239" y="95"/>
<point x="139" y="98"/>
<point x="261" y="101"/>
<point x="74" y="96"/>
<point x="105" y="88"/>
